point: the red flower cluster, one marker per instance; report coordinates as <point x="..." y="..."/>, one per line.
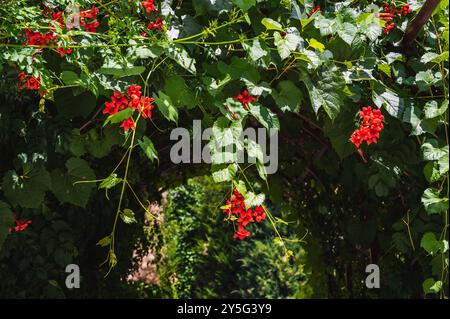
<point x="21" y="224"/>
<point x="118" y="102"/>
<point x="158" y="24"/>
<point x="133" y="100"/>
<point x="86" y="17"/>
<point x="406" y="9"/>
<point x="245" y="98"/>
<point x="58" y="17"/>
<point x="236" y="210"/>
<point x="50" y="39"/>
<point x="28" y="82"/>
<point x="149" y="5"/>
<point x="369" y="129"/>
<point x="91" y="16"/>
<point x="41" y="39"/>
<point x="390" y="13"/>
<point x="127" y="124"/>
<point x="314" y="10"/>
<point x="62" y="52"/>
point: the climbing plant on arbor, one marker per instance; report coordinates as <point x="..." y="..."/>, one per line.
<point x="91" y="90"/>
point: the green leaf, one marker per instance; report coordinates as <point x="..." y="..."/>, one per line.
<point x="441" y="57"/>
<point x="326" y="26"/>
<point x="166" y="106"/>
<point x="432" y="110"/>
<point x="112" y="258"/>
<point x="237" y="69"/>
<point x="288" y="97"/>
<point x="181" y="56"/>
<point x="305" y="22"/>
<point x="178" y="91"/>
<point x="28" y="189"/>
<point x="213" y="86"/>
<point x="109" y="182"/>
<point x="431" y="172"/>
<point x="119" y="116"/>
<point x="225" y="145"/>
<point x="232" y="109"/>
<point x="99" y="145"/>
<point x="287" y="44"/>
<point x="67" y="187"/>
<point x="143" y="52"/>
<point x="424" y="80"/>
<point x="430" y="243"/>
<point x="385" y="68"/>
<point x="311" y="57"/>
<point x="127" y="215"/>
<point x="431" y="152"/>
<point x="443" y="162"/>
<point x="262" y="172"/>
<point x="104" y="241"/>
<point x="240" y="186"/>
<point x="325" y="92"/>
<point x="264" y="116"/>
<point x="69" y="78"/>
<point x="254" y="150"/>
<point x="347" y="32"/>
<point x="225" y="134"/>
<point x="413" y="115"/>
<point x="6" y="221"/>
<point x="77" y="146"/>
<point x="434" y="57"/>
<point x="148" y="148"/>
<point x="384" y="97"/>
<point x="224" y="172"/>
<point x="430" y="286"/>
<point x="428" y="57"/>
<point x="244" y="4"/>
<point x="272" y="24"/>
<point x="122" y="71"/>
<point x="252" y="200"/>
<point x="443" y="246"/>
<point x="255" y="51"/>
<point x="391" y="57"/>
<point x="370" y="26"/>
<point x="257" y="89"/>
<point x="433" y="203"/>
<point x="316" y="45"/>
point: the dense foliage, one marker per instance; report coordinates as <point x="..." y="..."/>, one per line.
<point x="197" y="257"/>
<point x="90" y="91"/>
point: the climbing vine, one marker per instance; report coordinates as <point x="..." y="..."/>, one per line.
<point x="91" y="90"/>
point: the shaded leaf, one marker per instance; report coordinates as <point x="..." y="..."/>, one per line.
<point x="433" y="202"/>
<point x="127" y="216"/>
<point x="148" y="148"/>
<point x="166" y="106"/>
<point x="264" y="116"/>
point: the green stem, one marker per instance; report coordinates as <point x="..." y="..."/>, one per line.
<point x="122" y="193"/>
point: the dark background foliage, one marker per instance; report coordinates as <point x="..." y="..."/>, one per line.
<point x="311" y="75"/>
